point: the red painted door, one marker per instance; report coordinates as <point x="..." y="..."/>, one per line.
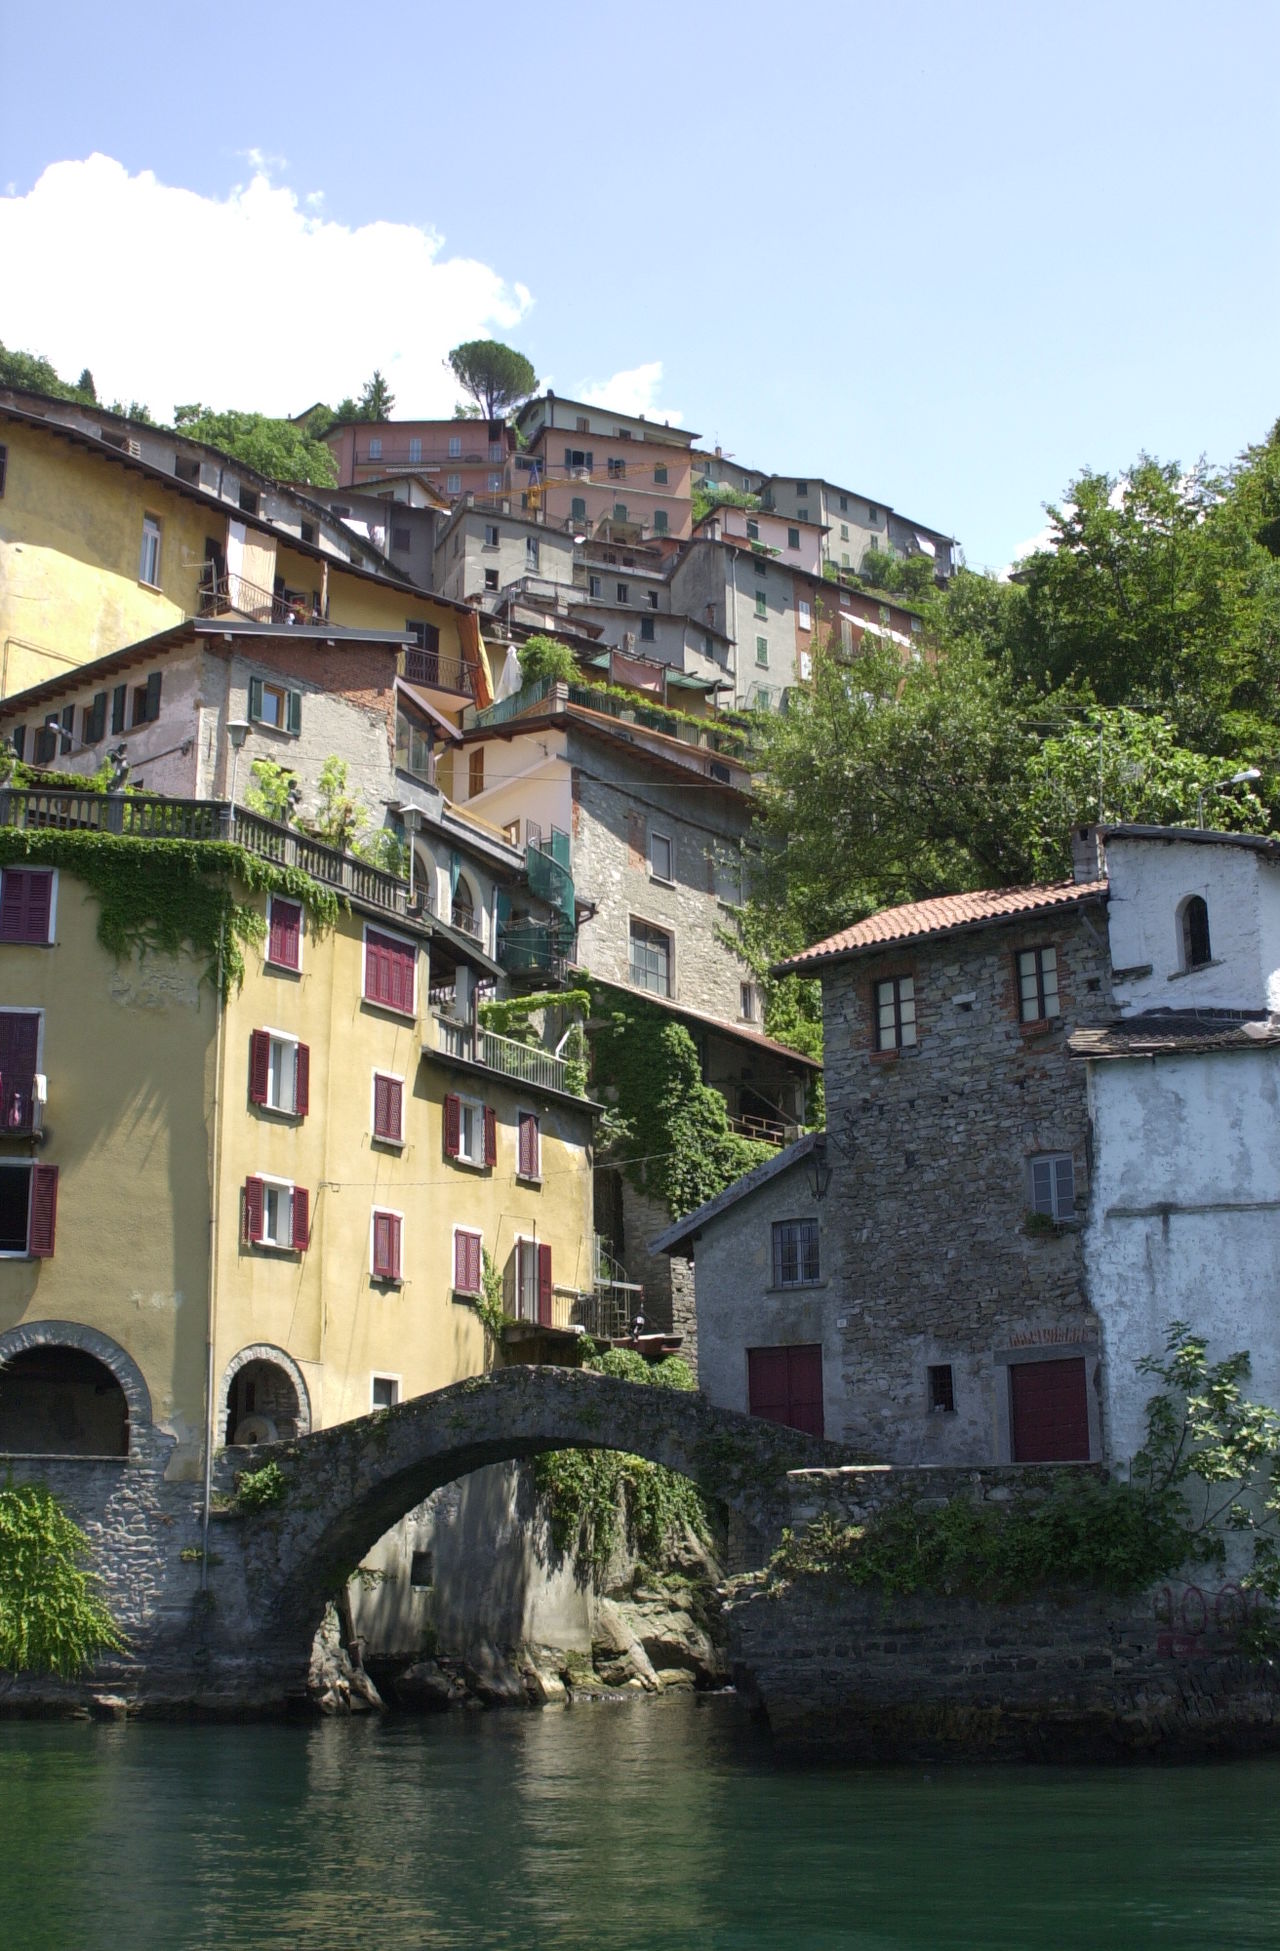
<point x="1050" y="1411"/>
<point x="784" y="1385"/>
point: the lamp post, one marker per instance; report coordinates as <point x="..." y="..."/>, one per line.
<point x="1236" y="779"/>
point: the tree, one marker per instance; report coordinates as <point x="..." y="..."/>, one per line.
<point x="86" y="386"/>
<point x="274" y="447"/>
<point x="51" y="1617"/>
<point x="377" y="399"/>
<point x="35" y="374"/>
<point x="542" y="656"/>
<point x="496" y="377"/>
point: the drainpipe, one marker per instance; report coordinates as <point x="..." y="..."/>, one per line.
<point x="216" y="1148"/>
<point x="733" y="586"/>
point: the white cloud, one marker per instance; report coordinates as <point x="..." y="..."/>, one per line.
<point x="634" y="391"/>
<point x="253" y="300"/>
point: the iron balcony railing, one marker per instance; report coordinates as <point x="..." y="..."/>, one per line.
<point x="438" y="673"/>
<point x="142" y="816"/>
<point x="22" y="1106"/>
<point x="522" y="1062"/>
<point x="220" y="594"/>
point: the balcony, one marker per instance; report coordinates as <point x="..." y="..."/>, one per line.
<point x="228" y="595"/>
<point x="22" y="1102"/>
<point x="435" y="672"/>
<point x="537" y="951"/>
<point x="549" y="695"/>
<point x="146" y="817"/>
<point x="522" y="1063"/>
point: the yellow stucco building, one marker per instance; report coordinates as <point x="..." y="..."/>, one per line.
<point x="266" y="1216"/>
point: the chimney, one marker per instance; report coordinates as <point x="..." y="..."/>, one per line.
<point x="1088" y="856"/>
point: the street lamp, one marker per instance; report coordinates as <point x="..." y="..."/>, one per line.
<point x="817" y="1171"/>
<point x="1236" y="779"/>
<point x="237" y="732"/>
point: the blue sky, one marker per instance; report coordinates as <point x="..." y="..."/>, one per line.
<point x="946" y="255"/>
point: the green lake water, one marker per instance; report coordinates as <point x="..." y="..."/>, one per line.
<point x="642" y="1825"/>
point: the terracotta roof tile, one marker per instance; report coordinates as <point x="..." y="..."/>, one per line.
<point x="946" y="914"/>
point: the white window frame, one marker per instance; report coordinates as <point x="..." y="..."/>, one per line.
<point x="273" y="1186"/>
<point x="668" y="879"/>
<point x="396" y="1381"/>
<point x="455" y="447"/>
<point x="386" y="1212"/>
<point x="375" y="447"/>
<point x="415" y="448"/>
<point x="475" y="1107"/>
<point x="289" y="968"/>
<point x="282" y="1040"/>
<point x="453" y="484"/>
<point x="748" y="996"/>
<point x="529" y="1240"/>
<point x="658" y="928"/>
<point x="492" y="535"/>
<point x="472" y="1233"/>
<point x="392" y="935"/>
<point x="393" y="1077"/>
<point x="152" y="539"/>
<point x="529" y="1178"/>
<point x="1050" y="1161"/>
<point x="804" y="613"/>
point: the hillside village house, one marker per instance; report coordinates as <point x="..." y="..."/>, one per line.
<point x="1051" y="1133"/>
<point x="854" y="526"/>
<point x="591" y="469"/>
<point x="456" y="457"/>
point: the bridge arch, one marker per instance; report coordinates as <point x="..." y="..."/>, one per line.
<point x="346" y="1486"/>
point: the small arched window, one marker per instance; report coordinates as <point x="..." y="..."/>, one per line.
<point x="1195" y="932"/>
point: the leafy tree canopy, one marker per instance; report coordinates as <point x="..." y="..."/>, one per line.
<point x="275" y="447"/>
<point x="496" y="377"/>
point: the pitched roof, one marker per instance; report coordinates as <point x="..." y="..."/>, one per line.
<point x="1177" y="1032"/>
<point x="947" y="914"/>
<point x="685" y="1230"/>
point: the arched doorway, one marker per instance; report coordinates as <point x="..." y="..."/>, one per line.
<point x="264" y="1398"/>
<point x="60" y="1401"/>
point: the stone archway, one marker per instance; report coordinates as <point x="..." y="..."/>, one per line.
<point x="263" y="1384"/>
<point x="130" y="1424"/>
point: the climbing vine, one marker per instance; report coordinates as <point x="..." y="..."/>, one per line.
<point x="52" y="1619"/>
<point x="671" y="1132"/>
<point x="158" y="896"/>
<point x="510" y="1016"/>
<point x="489" y="1302"/>
<point x="594" y="1497"/>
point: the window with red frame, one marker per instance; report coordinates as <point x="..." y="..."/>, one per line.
<point x="388" y="1108"/>
<point x="467" y="1262"/>
<point x="386" y="1245"/>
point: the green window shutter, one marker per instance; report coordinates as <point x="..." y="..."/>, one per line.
<point x="255" y="699"/>
<point x="119" y="698"/>
<point x="295" y="710"/>
<point x="153" y="697"/>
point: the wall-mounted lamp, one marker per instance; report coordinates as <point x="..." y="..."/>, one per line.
<point x="237" y="732"/>
<point x="817" y="1171"/>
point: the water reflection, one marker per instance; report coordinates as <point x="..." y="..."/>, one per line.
<point x="637" y="1826"/>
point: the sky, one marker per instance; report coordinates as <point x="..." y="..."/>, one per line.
<point x="946" y="256"/>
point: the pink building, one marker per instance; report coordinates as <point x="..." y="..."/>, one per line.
<point x="456" y="457"/>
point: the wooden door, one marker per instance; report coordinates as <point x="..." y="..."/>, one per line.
<point x="1049" y="1411"/>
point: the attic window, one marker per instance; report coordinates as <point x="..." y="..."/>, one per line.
<point x="248" y="501"/>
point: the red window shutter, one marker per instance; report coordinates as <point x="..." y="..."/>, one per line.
<point x="474" y="1281"/>
<point x="460" y="1263"/>
<point x="286" y="934"/>
<point x="395" y="1246"/>
<point x="490" y="1135"/>
<point x="253" y="1206"/>
<point x="44" y="1211"/>
<point x="544" y="1286"/>
<point x="388" y="1107"/>
<point x="403" y="961"/>
<point x="302" y="1079"/>
<point x="386" y="1246"/>
<point x="388" y="972"/>
<point x="374" y="974"/>
<point x="301" y="1219"/>
<point x="25" y="901"/>
<point x="259" y="1066"/>
<point x="452" y="1125"/>
<point x="529" y="1161"/>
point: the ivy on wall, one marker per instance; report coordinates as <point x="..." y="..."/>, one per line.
<point x="52" y="1615"/>
<point x="671" y="1132"/>
<point x="159" y="897"/>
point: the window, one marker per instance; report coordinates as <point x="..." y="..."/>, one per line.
<point x="803" y="513"/>
<point x="496" y="450"/>
<point x="384" y="1245"/>
<point x="578" y="457"/>
<point x="793" y="538"/>
<point x="68" y="730"/>
<point x="46" y="741"/>
<point x="276" y="1214"/>
<point x="578" y="509"/>
<point x="753" y="531"/>
<point x="805" y="661"/>
<point x="747" y="1001"/>
<point x="28" y="1209"/>
<point x="275" y="705"/>
<point x="491" y="579"/>
<point x="491" y="535"/>
<point x="795" y="1252"/>
<point x="284" y="934"/>
<point x="844" y="504"/>
<point x="873" y="515"/>
<point x="619" y="511"/>
<point x="593" y="586"/>
<point x="581" y="424"/>
<point x="248" y="501"/>
<point x="455" y="447"/>
<point x="415" y="447"/>
<point x="22" y="1085"/>
<point x="623" y="593"/>
<point x="802" y="487"/>
<point x="650" y="958"/>
<point x="1053" y="1186"/>
<point x="27" y="904"/>
<point x="875" y="545"/>
<point x="646" y="630"/>
<point x="659" y="474"/>
<point x="617" y="468"/>
<point x="942" y="1390"/>
<point x="388" y="1108"/>
<point x="149" y="559"/>
<point x="425" y="635"/>
<point x="467" y="1262"/>
<point x="1196" y="951"/>
<point x="95" y="719"/>
<point x="762" y="650"/>
<point x="660" y="857"/>
<point x="453" y="484"/>
<point x="531" y="552"/>
<point x="384" y="1392"/>
<point x="1037" y="984"/>
<point x="475" y="772"/>
<point x="653" y="599"/>
<point x="895" y="1008"/>
<point x="494" y="480"/>
<point x="804" y="613"/>
<point x="146" y="700"/>
<point x="533" y="1282"/>
<point x="659" y="521"/>
<point x="390" y="966"/>
<point x="844" y="531"/>
<point x="470" y="1131"/>
<point x="784" y="1385"/>
<point x="279" y="1073"/>
<point x="375" y="448"/>
<point x="762" y="603"/>
<point x="528" y="1146"/>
